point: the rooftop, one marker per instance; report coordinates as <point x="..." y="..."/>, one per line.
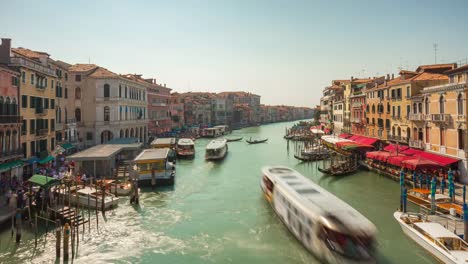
<point x="82" y="67"/>
<point x="153" y="154"/>
<point x="102" y="152"/>
<point x="31" y="54"/>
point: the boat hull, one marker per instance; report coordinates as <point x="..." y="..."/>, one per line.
<point x="186" y="155"/>
<point x="422" y="241"/>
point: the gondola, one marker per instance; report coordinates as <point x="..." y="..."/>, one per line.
<point x="234" y="139"/>
<point x="311" y="157"/>
<point x="337" y="172"/>
<point x="250" y="141"/>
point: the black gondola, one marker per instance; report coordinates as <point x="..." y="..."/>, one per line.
<point x="234" y="139"/>
<point x="337" y="171"/>
<point x="250" y="141"/>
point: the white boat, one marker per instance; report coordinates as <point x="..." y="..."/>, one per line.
<point x="116" y="187"/>
<point x="433" y="237"/>
<point x="212" y="132"/>
<point x="89" y="197"/>
<point x="328" y="227"/>
<point x="185" y="148"/>
<point x="155" y="161"/>
<point x="216" y="149"/>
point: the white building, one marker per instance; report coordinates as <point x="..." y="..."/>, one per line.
<point x="107" y="105"/>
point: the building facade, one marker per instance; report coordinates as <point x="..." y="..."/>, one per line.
<point x="107" y="105"/>
<point x="159" y="113"/>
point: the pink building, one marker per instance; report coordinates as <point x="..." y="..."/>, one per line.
<point x="158" y="108"/>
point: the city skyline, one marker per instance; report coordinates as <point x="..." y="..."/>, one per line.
<point x="285" y="53"/>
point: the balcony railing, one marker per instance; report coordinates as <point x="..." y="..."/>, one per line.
<point x="11" y="154"/>
<point x="10" y="119"/>
<point x="356" y="120"/>
<point x="419" y="144"/>
<point x="445" y="118"/>
<point x="417" y="117"/>
<point x="461" y="118"/>
<point x="32" y="65"/>
<point x="398" y="138"/>
<point x="42" y="132"/>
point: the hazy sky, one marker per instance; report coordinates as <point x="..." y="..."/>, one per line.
<point x="285" y="51"/>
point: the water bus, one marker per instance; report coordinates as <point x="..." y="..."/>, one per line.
<point x="89" y="197"/>
<point x="216" y="149"/>
<point x="433" y="237"/>
<point x="164" y="143"/>
<point x="212" y="132"/>
<point x="155" y="161"/>
<point x="185" y="148"/>
<point x="328" y="227"/>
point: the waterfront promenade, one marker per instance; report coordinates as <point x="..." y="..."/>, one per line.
<point x="216" y="214"/>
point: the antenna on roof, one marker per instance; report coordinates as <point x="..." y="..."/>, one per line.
<point x="435" y="45"/>
<point x="89" y="60"/>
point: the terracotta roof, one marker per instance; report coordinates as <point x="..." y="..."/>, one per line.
<point x="407" y="72"/>
<point x="29" y="53"/>
<point x="361" y="80"/>
<point x="428" y="76"/>
<point x="436" y="67"/>
<point x="457" y="70"/>
<point x="82" y="67"/>
<point x="60" y="63"/>
<point x="238" y="93"/>
<point x="102" y="72"/>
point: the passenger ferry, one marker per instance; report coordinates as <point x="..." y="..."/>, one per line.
<point x="216" y="149"/>
<point x="211" y="132"/>
<point x="185" y="148"/>
<point x="328" y="227"/>
<point x="163" y="143"/>
<point x="157" y="160"/>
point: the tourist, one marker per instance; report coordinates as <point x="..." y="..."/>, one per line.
<point x="84" y="179"/>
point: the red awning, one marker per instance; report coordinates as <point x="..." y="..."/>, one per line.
<point x="344" y="135"/>
<point x="397" y="160"/>
<point x="369" y="141"/>
<point x="395" y="148"/>
<point x="354" y="137"/>
<point x="439" y="159"/>
<point x="419" y="163"/>
<point x="412" y="152"/>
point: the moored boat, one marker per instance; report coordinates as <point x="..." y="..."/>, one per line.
<point x="328" y="227"/>
<point x="422" y="197"/>
<point x="216" y="149"/>
<point x="185" y="148"/>
<point x="433" y="237"/>
<point x="155" y="162"/>
<point x="89" y="197"/>
<point x="116" y="187"/>
<point x="256" y="141"/>
<point x="234" y="139"/>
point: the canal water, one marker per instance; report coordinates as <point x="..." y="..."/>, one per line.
<point x="216" y="214"/>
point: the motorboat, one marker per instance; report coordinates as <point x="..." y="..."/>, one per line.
<point x="234" y="139"/>
<point x="155" y="162"/>
<point x="445" y="245"/>
<point x="329" y="228"/>
<point x="185" y="148"/>
<point x="216" y="149"/>
<point x="88" y="196"/>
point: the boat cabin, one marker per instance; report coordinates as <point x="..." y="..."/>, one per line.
<point x="155" y="161"/>
<point x="223" y="128"/>
<point x="212" y="132"/>
<point x="164" y="143"/>
<point x="441" y="236"/>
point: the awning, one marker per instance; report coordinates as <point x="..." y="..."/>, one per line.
<point x="439" y="159"/>
<point x="354" y="137"/>
<point x="10" y="165"/>
<point x="43" y="181"/>
<point x="411" y="152"/>
<point x="344" y="135"/>
<point x="67" y="146"/>
<point x="395" y="148"/>
<point x="46" y="159"/>
<point x="368" y="141"/>
<point x="397" y="160"/>
<point x="419" y="163"/>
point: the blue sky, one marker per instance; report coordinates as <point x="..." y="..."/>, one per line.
<point x="286" y="51"/>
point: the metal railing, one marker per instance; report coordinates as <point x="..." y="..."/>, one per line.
<point x="42" y="132"/>
<point x="419" y="144"/>
<point x="417" y="117"/>
<point x="440" y="117"/>
<point x="32" y="65"/>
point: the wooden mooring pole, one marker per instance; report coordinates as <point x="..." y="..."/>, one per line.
<point x="58" y="238"/>
<point x="66" y="237"/>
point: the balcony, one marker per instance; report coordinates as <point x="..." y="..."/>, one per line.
<point x="40" y="87"/>
<point x="417" y="117"/>
<point x="356" y="120"/>
<point x="460" y="118"/>
<point x="41" y="111"/>
<point x="356" y="105"/>
<point x="10" y="119"/>
<point x="158" y="104"/>
<point x="419" y="144"/>
<point x="11" y="154"/>
<point x="32" y="65"/>
<point x="42" y="132"/>
<point x="440" y="118"/>
<point x="398" y="138"/>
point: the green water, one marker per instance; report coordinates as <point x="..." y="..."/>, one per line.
<point x="216" y="214"/>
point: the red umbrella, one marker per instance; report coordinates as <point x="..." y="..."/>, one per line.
<point x="420" y="163"/>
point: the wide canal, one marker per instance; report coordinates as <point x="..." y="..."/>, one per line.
<point x="216" y="214"/>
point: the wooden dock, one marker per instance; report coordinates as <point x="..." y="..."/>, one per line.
<point x="68" y="215"/>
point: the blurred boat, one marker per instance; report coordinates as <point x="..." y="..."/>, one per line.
<point x="234" y="139"/>
<point x="328" y="227"/>
<point x="216" y="149"/>
<point x="256" y="141"/>
<point x="185" y="148"/>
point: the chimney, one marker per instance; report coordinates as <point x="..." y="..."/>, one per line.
<point x="388" y="77"/>
<point x="352" y="78"/>
<point x="164" y="85"/>
<point x="393" y="76"/>
<point x="5" y="49"/>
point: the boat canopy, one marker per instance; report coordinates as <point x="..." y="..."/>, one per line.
<point x="217" y="143"/>
<point x="185" y="142"/>
<point x="435" y="230"/>
<point x="43" y="181"/>
<point x="163" y="141"/>
<point x="152" y="154"/>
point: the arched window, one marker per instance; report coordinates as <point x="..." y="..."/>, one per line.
<point x="121" y="133"/>
<point x="78" y="115"/>
<point x="426" y="105"/>
<point x="125" y="91"/>
<point x="441" y="105"/>
<point x="14" y="107"/>
<point x="388" y="107"/>
<point x="106" y="90"/>
<point x="77" y="93"/>
<point x="415" y="108"/>
<point x="373" y="121"/>
<point x="460" y="104"/>
<point x="420" y="107"/>
<point x="367" y="108"/>
<point x="120" y="90"/>
<point x="7" y="106"/>
<point x="106" y="113"/>
<point x="57" y="115"/>
<point x="373" y="108"/>
<point x="399" y="131"/>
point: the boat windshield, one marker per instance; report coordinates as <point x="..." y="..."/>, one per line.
<point x="214" y="151"/>
<point x="353" y="247"/>
<point x="185" y="147"/>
